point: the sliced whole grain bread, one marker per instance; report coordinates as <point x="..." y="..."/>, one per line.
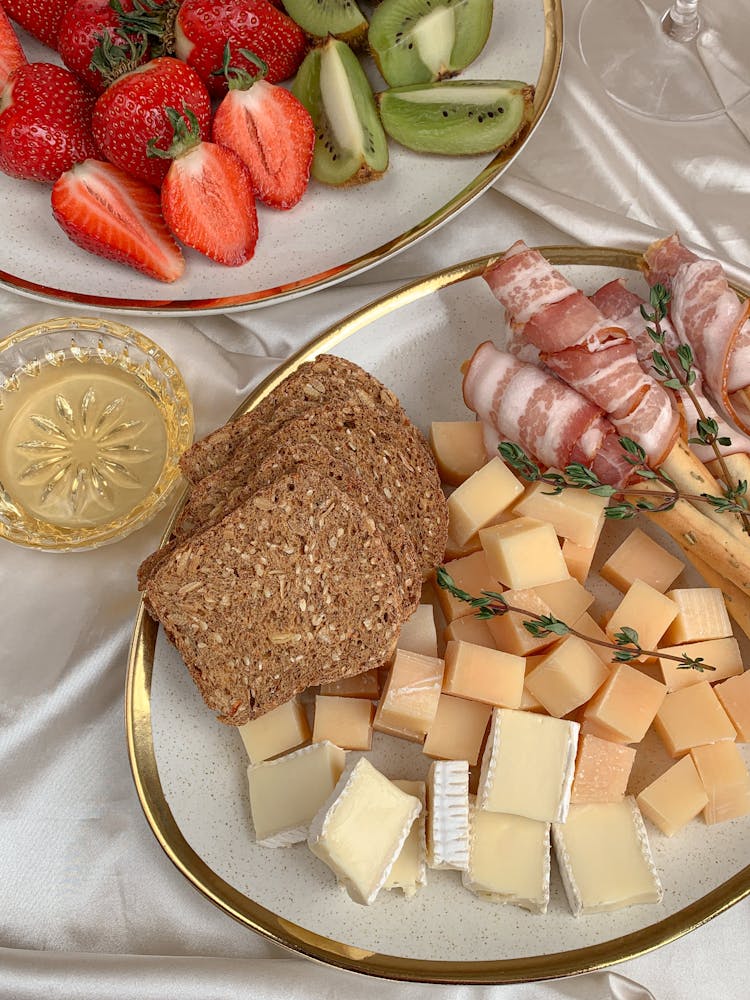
<point x="292" y="588"/>
<point x="326" y="380"/>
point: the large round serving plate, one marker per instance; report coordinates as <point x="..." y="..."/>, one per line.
<point x="190" y="770"/>
<point x="332" y="234"/>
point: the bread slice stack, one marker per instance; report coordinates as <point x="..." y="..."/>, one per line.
<point x="302" y="546"/>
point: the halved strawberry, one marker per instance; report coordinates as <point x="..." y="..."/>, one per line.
<point x="207" y="196"/>
<point x="11" y="53"/>
<point x="271" y="132"/>
<point x="104" y="210"/>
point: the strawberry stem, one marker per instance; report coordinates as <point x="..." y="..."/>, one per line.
<point x="237" y="77"/>
<point x="112" y="59"/>
<point x="187" y="135"/>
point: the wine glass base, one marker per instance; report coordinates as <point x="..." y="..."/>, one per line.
<point x="625" y="45"/>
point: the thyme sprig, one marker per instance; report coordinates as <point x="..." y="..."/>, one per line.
<point x="682" y="376"/>
<point x="581" y="477"/>
<point x="626" y="647"/>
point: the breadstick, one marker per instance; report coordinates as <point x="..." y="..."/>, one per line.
<point x="737" y="603"/>
<point x="738" y="466"/>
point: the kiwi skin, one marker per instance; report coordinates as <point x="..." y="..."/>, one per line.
<point x="448" y="122"/>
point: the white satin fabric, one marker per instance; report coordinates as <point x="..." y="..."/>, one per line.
<point x="90" y="907"/>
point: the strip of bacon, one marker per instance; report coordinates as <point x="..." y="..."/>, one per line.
<point x="524" y="282"/>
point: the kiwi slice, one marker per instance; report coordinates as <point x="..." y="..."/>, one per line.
<point x="459" y="116"/>
<point x="350" y="145"/>
<point x="320" y="18"/>
<point x="420" y="41"/>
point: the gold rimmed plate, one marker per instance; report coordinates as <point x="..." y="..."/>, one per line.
<point x="332" y="234"/>
<point x="190" y="770"/>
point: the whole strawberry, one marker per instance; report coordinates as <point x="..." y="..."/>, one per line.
<point x="41" y="18"/>
<point x="11" y="53"/>
<point x="204" y="27"/>
<point x="132" y="111"/>
<point x="86" y="26"/>
<point x="45" y="123"/>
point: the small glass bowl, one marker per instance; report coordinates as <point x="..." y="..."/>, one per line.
<point x="93" y="419"/>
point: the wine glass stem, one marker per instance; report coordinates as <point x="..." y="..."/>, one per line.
<point x="682" y="21"/>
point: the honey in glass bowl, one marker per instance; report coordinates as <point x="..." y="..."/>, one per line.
<point x="93" y="419"/>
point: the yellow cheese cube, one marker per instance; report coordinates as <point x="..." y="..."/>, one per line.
<point x="457" y="731"/>
<point x="676" y="797"/>
<point x="567" y="677"/>
<point x="602" y="770"/>
<point x="480" y="499"/>
<point x="470" y="629"/>
<point x="282" y="729"/>
<point x="365" y="685"/>
<point x="410" y="696"/>
<point x="641" y="558"/>
<point x="692" y="717"/>
<point x="508" y="631"/>
<point x="734" y="696"/>
<point x="625" y="705"/>
<point x="458" y="447"/>
<point x="574" y="514"/>
<point x="487" y="675"/>
<point x="347" y="722"/>
<point x="578" y="559"/>
<point x="645" y="610"/>
<point x="701" y="614"/>
<point x="726" y="780"/>
<point x="455" y="551"/>
<point x="471" y="574"/>
<point x="724" y="654"/>
<point x="418" y="633"/>
<point x="588" y="627"/>
<point x="523" y="553"/>
<point x="528" y="702"/>
<point x="566" y="599"/>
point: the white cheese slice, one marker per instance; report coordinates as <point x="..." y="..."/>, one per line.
<point x="448" y="814"/>
<point x="360" y="831"/>
<point x="527" y="766"/>
<point x="604" y="857"/>
<point x="286" y="793"/>
<point x="509" y="860"/>
<point x="409" y="871"/>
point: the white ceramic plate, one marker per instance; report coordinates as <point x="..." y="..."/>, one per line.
<point x="332" y="234"/>
<point x="190" y="770"/>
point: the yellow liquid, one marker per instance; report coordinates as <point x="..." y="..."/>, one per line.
<point x="80" y="444"/>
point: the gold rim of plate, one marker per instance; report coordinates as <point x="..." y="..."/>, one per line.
<point x="544" y="90"/>
<point x="300" y="939"/>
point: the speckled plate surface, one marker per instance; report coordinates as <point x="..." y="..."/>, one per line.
<point x="190" y="770"/>
<point x="332" y="234"/>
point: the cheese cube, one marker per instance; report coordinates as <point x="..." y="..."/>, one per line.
<point x="307" y="776"/>
<point x="480" y="499"/>
<point x="365" y="685"/>
<point x="508" y="631"/>
<point x="586" y="625"/>
<point x="574" y="514"/>
<point x="734" y="696"/>
<point x="527" y="765"/>
<point x="457" y="731"/>
<point x="724" y="654"/>
<point x="604" y="857"/>
<point x="602" y="770"/>
<point x="360" y="831"/>
<point x="726" y="780"/>
<point x="347" y="722"/>
<point x="409" y="871"/>
<point x="641" y="558"/>
<point x="470" y="574"/>
<point x="528" y="702"/>
<point x="278" y="731"/>
<point x="692" y="717"/>
<point x="523" y="553"/>
<point x="458" y="447"/>
<point x="470" y="629"/>
<point x="676" y="797"/>
<point x="647" y="611"/>
<point x="455" y="551"/>
<point x="448" y="814"/>
<point x="410" y="695"/>
<point x="567" y="677"/>
<point x="578" y="559"/>
<point x="701" y="614"/>
<point x="625" y="705"/>
<point x="509" y="860"/>
<point x="418" y="633"/>
<point x="566" y="599"/>
<point x="487" y="675"/>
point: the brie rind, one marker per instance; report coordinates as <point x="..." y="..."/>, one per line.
<point x="528" y="765"/>
<point x="409" y="871"/>
<point x="360" y="830"/>
<point x="286" y="793"/>
<point x="604" y="857"/>
<point x="448" y="814"/>
<point x="509" y="860"/>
